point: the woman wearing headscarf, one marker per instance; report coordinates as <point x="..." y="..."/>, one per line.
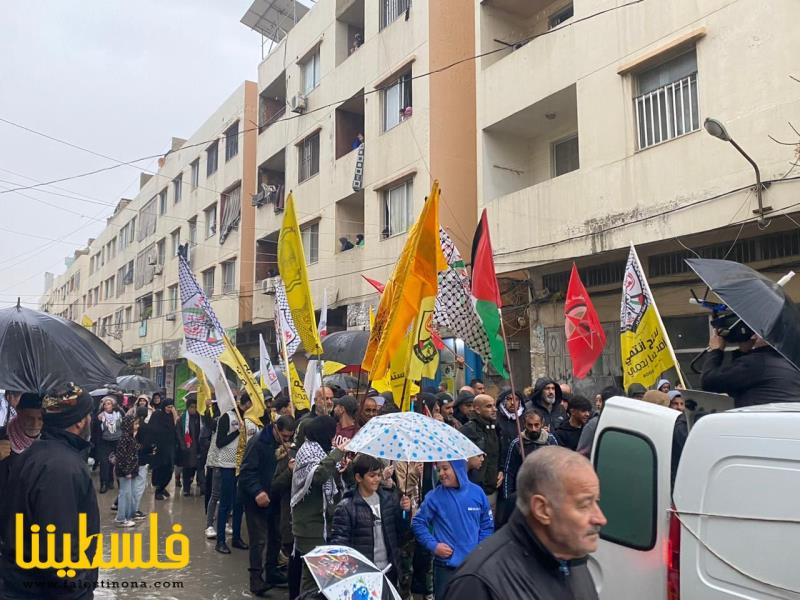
<point x="127" y="470"/>
<point x="159" y="432"/>
<point x="109" y="418"/>
<point x="316" y="486"/>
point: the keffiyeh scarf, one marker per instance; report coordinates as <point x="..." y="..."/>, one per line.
<point x="306" y="462"/>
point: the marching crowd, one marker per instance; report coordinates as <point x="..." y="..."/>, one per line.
<point x="298" y="487"/>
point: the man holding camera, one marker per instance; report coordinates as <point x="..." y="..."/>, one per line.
<point x="758" y="374"/>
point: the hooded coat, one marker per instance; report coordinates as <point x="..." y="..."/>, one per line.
<point x="553" y="414"/>
<point x="484" y="435"/>
<point x="127" y="451"/>
<point x="459" y="517"/>
<point x="507" y="422"/>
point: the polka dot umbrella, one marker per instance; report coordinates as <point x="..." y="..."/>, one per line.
<point x="411" y="437"/>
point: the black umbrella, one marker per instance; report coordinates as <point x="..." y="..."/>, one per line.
<point x="758" y="301"/>
<point x="346" y="347"/>
<point x="137" y="383"/>
<point x="40" y="352"/>
<point x="344" y="381"/>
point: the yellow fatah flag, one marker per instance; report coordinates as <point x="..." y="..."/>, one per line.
<point x="396" y="379"/>
<point x="87" y="322"/>
<point x="296" y="390"/>
<point x="644" y="344"/>
<point x="203" y="389"/>
<point x="329" y="367"/>
<point x="292" y="267"/>
<point x="415" y="278"/>
<point x="234" y="359"/>
<point x="423" y="359"/>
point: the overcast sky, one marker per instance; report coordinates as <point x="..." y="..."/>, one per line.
<point x="118" y="77"/>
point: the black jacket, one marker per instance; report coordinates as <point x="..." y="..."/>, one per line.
<point x="758" y="377"/>
<point x="258" y="466"/>
<point x="353" y="526"/>
<point x="552" y="418"/>
<point x="514" y="564"/>
<point x="187" y="456"/>
<point x="484" y="435"/>
<point x="567" y="435"/>
<point x="49" y="483"/>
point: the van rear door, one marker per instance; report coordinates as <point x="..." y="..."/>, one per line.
<point x="738" y="497"/>
<point x="631" y="454"/>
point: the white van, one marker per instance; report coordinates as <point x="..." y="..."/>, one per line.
<point x="734" y="531"/>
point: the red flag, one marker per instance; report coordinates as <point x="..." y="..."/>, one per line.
<point x="376" y="284"/>
<point x="585" y="336"/>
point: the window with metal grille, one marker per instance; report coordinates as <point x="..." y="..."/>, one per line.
<point x="607" y="274"/>
<point x="212" y="159"/>
<point x="147" y="219"/>
<point x="173" y="298"/>
<point x="560" y="16"/>
<point x="208" y="282"/>
<point x="231" y="208"/>
<point x="308" y="157"/>
<point x="666" y="106"/>
<point x="565" y="156"/>
<point x="232" y="141"/>
<point x="392" y="9"/>
<point x="211" y="220"/>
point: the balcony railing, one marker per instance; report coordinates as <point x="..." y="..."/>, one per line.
<point x="667" y="112"/>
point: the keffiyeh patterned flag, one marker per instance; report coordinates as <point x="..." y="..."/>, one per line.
<point x="287" y="329"/>
<point x="201" y="328"/>
<point x="455" y="310"/>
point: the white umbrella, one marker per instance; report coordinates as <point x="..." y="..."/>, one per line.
<point x="412" y="437"/>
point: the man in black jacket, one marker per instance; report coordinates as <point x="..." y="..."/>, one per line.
<point x="481" y="429"/>
<point x="369" y="519"/>
<point x="758" y="374"/>
<point x="263" y="518"/>
<point x="546" y="398"/>
<point x="50" y="484"/>
<point x="541" y="553"/>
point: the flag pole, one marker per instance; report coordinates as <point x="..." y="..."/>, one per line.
<point x="660" y="322"/>
<point x="511" y="381"/>
<point x="285" y="356"/>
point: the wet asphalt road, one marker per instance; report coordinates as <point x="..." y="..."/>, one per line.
<point x="209" y="575"/>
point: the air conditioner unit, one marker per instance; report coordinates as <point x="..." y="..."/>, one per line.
<point x="298" y="103"/>
<point x="170" y="317"/>
<point x="158" y="269"/>
<point x="152" y="260"/>
<point x="268" y="286"/>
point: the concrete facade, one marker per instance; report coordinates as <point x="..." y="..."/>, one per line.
<point x="582" y="77"/>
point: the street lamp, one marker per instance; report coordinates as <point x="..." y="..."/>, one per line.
<point x="717" y="129"/>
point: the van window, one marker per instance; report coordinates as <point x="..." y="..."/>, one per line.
<point x="626" y="465"/>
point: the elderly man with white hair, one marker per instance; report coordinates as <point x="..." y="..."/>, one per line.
<point x="541" y="553"/>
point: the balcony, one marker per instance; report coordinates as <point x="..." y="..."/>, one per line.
<point x="349" y="28"/>
<point x="272" y="103"/>
<point x="532" y="145"/>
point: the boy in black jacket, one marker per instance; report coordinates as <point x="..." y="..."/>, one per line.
<point x="370" y="519"/>
<point x="263" y="518"/>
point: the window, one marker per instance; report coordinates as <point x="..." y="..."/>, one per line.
<point x="230" y="208"/>
<point x="173" y="298"/>
<point x="565" y="156"/>
<point x="397" y="101"/>
<point x="147" y="219"/>
<point x="162" y="202"/>
<point x="175" y="238"/>
<point x="397" y="203"/>
<point x="177" y="188"/>
<point x="143" y="271"/>
<point x="310" y="236"/>
<point x="232" y="141"/>
<point x="211" y="220"/>
<point x="560" y="16"/>
<point x="208" y="282"/>
<point x="158" y="301"/>
<point x="161" y="251"/>
<point x="193" y="231"/>
<point x="144" y="307"/>
<point x="195" y="173"/>
<point x="626" y="465"/>
<point x="310" y="68"/>
<point x="212" y="159"/>
<point x="229" y="276"/>
<point x="392" y="9"/>
<point x="666" y="106"/>
<point x="128" y="316"/>
<point x="309" y="157"/>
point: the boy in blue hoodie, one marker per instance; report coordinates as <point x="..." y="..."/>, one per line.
<point x="454" y="518"/>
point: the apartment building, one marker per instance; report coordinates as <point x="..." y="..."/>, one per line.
<point x="591" y="136"/>
<point x="126" y="280"/>
<point x="347" y="72"/>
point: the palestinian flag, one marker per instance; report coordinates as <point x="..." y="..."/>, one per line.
<point x="486" y="293"/>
